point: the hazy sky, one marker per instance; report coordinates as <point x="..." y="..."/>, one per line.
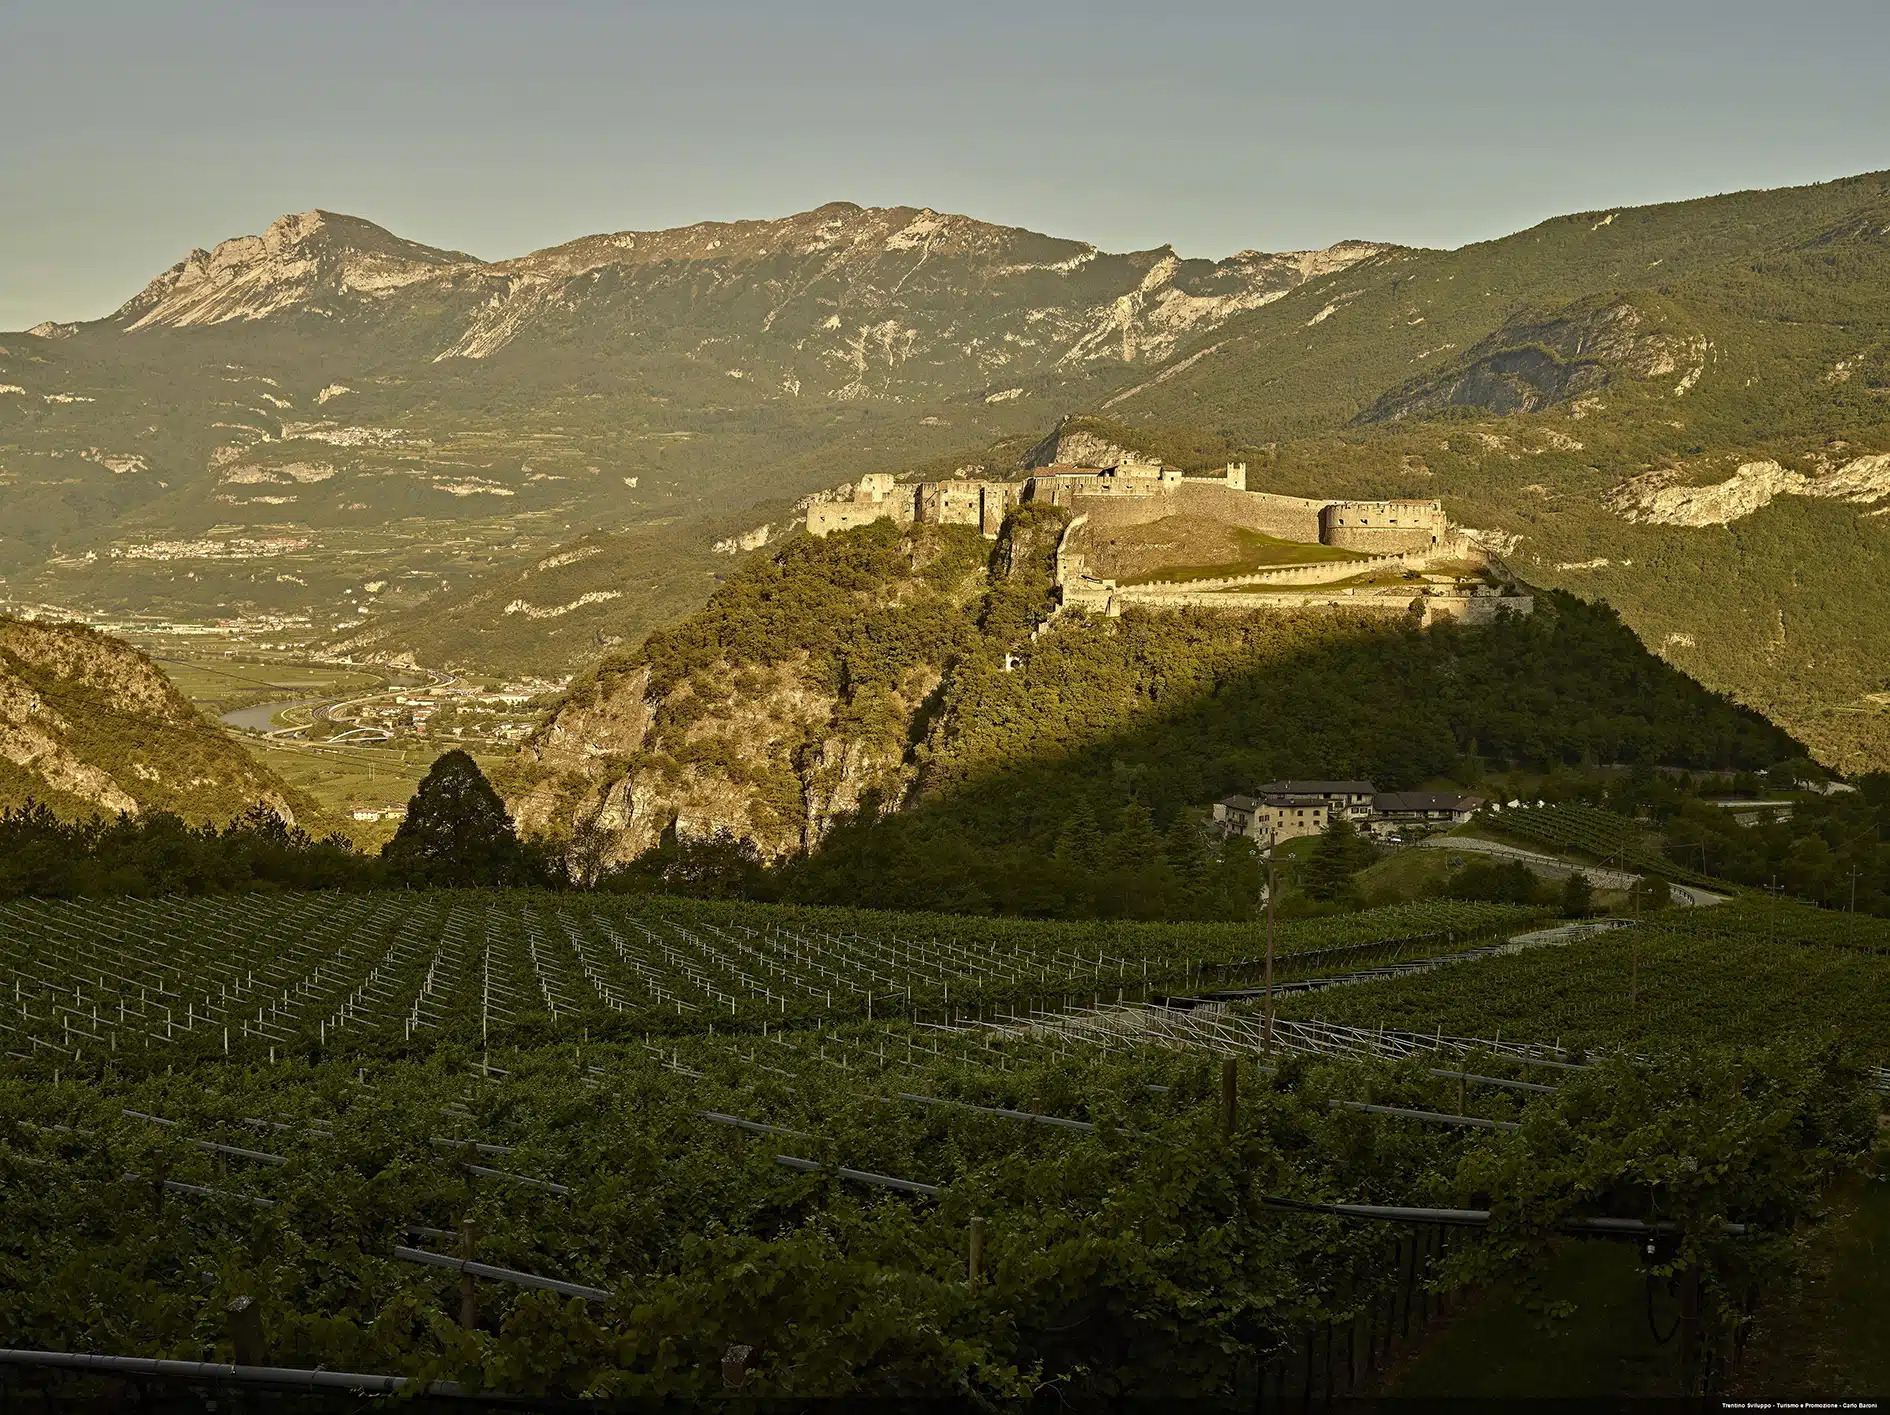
<point x="137" y="129"/>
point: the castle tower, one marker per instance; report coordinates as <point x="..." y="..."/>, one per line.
<point x="1237" y="475"/>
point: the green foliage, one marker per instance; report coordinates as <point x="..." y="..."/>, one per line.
<point x="1341" y="852"/>
<point x="1170" y="711"/>
<point x="48" y="857"/>
<point x="1501" y="881"/>
<point x="457" y="833"/>
<point x="1754" y="972"/>
<point x="1578" y="896"/>
<point x="1650" y="892"/>
<point x="1132" y="1259"/>
<point x="1695" y="1140"/>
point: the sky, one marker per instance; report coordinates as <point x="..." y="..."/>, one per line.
<point x="132" y="131"/>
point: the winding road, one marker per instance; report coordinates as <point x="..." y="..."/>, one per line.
<point x="1552" y="867"/>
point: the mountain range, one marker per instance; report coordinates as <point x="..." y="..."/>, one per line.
<point x="1682" y="409"/>
<point x="326" y="423"/>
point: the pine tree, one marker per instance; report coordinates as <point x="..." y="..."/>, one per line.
<point x="1578" y="896"/>
<point x="457" y="832"/>
<point x="1340" y="853"/>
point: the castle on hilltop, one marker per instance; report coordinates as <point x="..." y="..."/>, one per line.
<point x="1382" y="526"/>
<point x="1394" y="548"/>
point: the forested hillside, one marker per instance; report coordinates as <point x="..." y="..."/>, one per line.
<point x="1683" y="410"/>
<point x="89" y="726"/>
<point x="877" y="702"/>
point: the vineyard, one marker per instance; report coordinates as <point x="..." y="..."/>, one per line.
<point x="637" y="1147"/>
<point x="107" y="982"/>
<point x="1751" y="972"/>
<point x="1600" y="835"/>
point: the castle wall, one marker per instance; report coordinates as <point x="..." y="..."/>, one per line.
<point x="1382" y="526"/>
<point x="960" y="502"/>
<point x="1165" y="598"/>
<point x="826" y="517"/>
<point x="1322" y="573"/>
<point x="1475" y="609"/>
<point x="1282" y="517"/>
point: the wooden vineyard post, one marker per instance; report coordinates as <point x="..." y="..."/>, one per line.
<point x="246" y="1331"/>
<point x="974" y="1261"/>
<point x="468" y="1294"/>
<point x="1230" y="1096"/>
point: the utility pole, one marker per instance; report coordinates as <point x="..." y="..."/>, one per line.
<point x="1270" y="892"/>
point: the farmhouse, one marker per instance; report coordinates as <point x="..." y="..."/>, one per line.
<point x="1351" y="799"/>
<point x="1272" y="818"/>
<point x="1286" y="810"/>
<point x="1395" y="808"/>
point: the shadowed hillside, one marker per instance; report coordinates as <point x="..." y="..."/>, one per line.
<point x="877" y="702"/>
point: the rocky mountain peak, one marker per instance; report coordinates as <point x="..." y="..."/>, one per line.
<point x="301" y="260"/>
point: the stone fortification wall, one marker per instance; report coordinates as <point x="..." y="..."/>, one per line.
<point x="1096" y="596"/>
<point x="826" y="517"/>
<point x="962" y="502"/>
<point x="1475" y="609"/>
<point x="1324" y="572"/>
<point x="1383" y="526"/>
<point x="1282" y="517"/>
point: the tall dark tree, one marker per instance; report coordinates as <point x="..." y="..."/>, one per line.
<point x="1578" y="896"/>
<point x="457" y="832"/>
<point x="1341" y="852"/>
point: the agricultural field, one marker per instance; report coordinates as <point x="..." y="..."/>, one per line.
<point x="1601" y="836"/>
<point x="130" y="981"/>
<point x="1754" y="972"/>
<point x="219" y="681"/>
<point x="637" y="1146"/>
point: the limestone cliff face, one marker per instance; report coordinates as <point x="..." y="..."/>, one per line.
<point x="89" y="724"/>
<point x="805" y="692"/>
<point x="1542" y="361"/>
<point x="772" y="759"/>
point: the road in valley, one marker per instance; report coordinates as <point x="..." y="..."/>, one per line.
<point x="1552" y="867"/>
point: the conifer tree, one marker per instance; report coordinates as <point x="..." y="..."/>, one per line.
<point x="1340" y="853"/>
<point x="1578" y="896"/>
<point x="457" y="832"/>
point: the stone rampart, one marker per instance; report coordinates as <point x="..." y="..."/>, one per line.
<point x="1475" y="609"/>
<point x="1383" y="525"/>
<point x="1365" y="601"/>
<point x="826" y="517"/>
<point x="1322" y="572"/>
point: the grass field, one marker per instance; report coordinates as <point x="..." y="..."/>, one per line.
<point x="1499" y="1347"/>
<point x="218" y="681"/>
<point x="1190" y="548"/>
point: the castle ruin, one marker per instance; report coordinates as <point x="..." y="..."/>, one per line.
<point x="1404" y="554"/>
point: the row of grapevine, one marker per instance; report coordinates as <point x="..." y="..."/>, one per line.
<point x="1698" y="977"/>
<point x="722" y="1191"/>
<point x="1602" y="836"/>
<point x="99" y="981"/>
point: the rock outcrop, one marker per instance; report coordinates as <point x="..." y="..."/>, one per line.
<point x="1661" y="498"/>
<point x="88" y="724"/>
